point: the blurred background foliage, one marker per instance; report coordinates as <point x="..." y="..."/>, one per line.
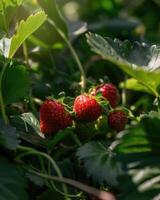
<point x="50" y="63"/>
<point x="47" y="62"/>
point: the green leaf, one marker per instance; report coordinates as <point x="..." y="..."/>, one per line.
<point x="7" y="3"/>
<point x="8" y="136"/>
<point x="133" y="84"/>
<point x="52" y="38"/>
<point x="32" y="121"/>
<point x="33" y="139"/>
<point x="139" y="152"/>
<point x="99" y="163"/>
<point x="142" y="137"/>
<point x="12" y="182"/>
<point x="25" y="29"/>
<point x="137" y="60"/>
<point x="7" y="11"/>
<point x="15" y="83"/>
<point x="26" y="128"/>
<point x="38" y="138"/>
<point x="31" y="132"/>
<point x="129" y="191"/>
<point x="53" y="12"/>
<point x="51" y="142"/>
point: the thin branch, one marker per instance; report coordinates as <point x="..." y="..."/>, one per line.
<point x="2" y="105"/>
<point x="83" y="76"/>
<point x="102" y="195"/>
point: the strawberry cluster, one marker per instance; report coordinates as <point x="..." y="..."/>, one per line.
<point x="53" y="117"/>
<point x="87" y="108"/>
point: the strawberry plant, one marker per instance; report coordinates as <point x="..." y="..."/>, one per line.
<point x="79" y="110"/>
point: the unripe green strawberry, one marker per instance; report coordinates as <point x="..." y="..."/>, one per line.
<point x="86" y="108"/>
<point x="117" y="120"/>
<point x="85" y="130"/>
<point x="102" y="124"/>
<point x="53" y="117"/>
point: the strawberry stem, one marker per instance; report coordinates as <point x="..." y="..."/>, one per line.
<point x="76" y="139"/>
<point x="124" y="96"/>
<point x="88" y="189"/>
<point x="83" y="76"/>
<point x="31" y="151"/>
<point x="2" y="105"/>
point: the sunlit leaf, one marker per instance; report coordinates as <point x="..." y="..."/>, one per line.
<point x="25" y="29"/>
<point x="133" y="84"/>
<point x="138" y="60"/>
<point x="31" y="120"/>
<point x="7" y="3"/>
<point x="7" y="11"/>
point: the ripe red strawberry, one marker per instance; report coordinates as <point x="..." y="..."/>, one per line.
<point x="53" y="117"/>
<point x="110" y="92"/>
<point x="86" y="108"/>
<point x="117" y="120"/>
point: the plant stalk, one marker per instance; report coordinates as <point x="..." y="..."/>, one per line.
<point x="76" y="139"/>
<point x="83" y="76"/>
<point x="88" y="189"/>
<point x="25" y="52"/>
<point x="124" y="96"/>
<point x="4" y="19"/>
<point x="2" y="105"/>
<point x="31" y="151"/>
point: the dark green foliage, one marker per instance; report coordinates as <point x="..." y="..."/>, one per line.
<point x="8" y="136"/>
<point x="12" y="182"/>
<point x="15" y="84"/>
<point x="139" y="151"/>
<point x="99" y="163"/>
<point x="126" y="163"/>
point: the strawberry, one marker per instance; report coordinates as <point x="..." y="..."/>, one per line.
<point x="86" y="108"/>
<point x="53" y="117"/>
<point x="110" y="92"/>
<point x="117" y="120"/>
